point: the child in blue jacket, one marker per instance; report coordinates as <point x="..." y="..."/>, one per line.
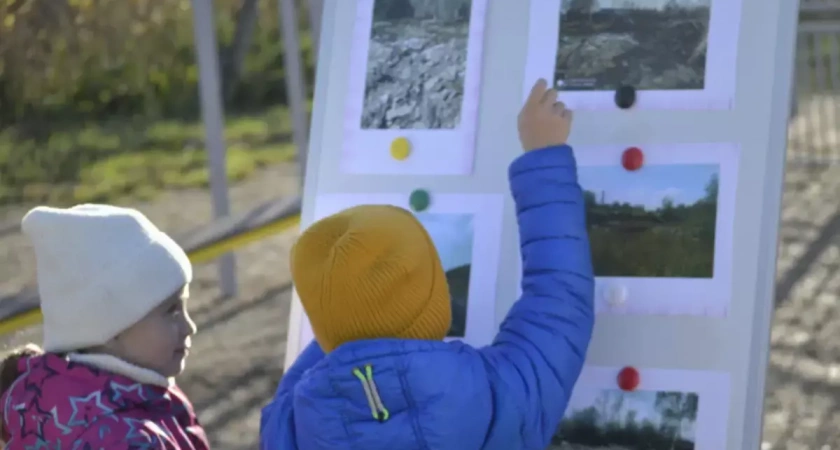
<point x="379" y="376"/>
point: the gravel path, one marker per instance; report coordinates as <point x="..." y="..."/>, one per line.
<point x="240" y="345"/>
<point x="802" y="409"/>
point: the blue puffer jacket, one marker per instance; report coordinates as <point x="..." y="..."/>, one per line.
<point x="439" y="396"/>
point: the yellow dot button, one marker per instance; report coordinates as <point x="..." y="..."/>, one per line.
<point x="400" y="148"/>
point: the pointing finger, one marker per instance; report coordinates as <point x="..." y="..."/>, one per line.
<point x="549" y="97"/>
<point x="568" y="114"/>
<point x="537" y="92"/>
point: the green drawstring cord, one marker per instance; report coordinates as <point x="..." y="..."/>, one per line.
<point x="378" y="410"/>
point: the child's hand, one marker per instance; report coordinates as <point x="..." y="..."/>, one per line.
<point x="543" y="121"/>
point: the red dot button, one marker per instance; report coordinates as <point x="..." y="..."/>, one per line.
<point x="628" y="379"/>
<point x="632" y="159"/>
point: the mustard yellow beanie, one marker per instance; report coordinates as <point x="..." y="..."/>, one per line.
<point x="370" y="272"/>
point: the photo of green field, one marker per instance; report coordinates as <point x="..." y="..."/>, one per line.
<point x="658" y="221"/>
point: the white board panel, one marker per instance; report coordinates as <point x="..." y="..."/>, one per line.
<point x="737" y="122"/>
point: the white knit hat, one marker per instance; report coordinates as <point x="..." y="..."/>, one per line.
<point x="100" y="270"/>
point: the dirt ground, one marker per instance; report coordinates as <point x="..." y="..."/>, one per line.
<point x="240" y="346"/>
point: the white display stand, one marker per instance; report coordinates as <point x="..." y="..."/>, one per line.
<point x="730" y="343"/>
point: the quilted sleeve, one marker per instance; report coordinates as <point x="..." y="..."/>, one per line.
<point x="538" y="354"/>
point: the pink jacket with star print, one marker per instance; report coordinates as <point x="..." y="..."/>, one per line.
<point x="58" y="404"/>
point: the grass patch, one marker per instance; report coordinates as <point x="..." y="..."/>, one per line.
<point x="110" y="162"/>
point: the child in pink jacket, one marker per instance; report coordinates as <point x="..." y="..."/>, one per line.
<point x="113" y="293"/>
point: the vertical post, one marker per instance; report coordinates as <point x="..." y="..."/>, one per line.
<point x="316" y="8"/>
<point x="295" y="82"/>
<point x="212" y="112"/>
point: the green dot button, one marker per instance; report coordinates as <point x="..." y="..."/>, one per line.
<point x="419" y="200"/>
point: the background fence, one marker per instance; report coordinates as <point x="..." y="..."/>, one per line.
<point x="814" y="133"/>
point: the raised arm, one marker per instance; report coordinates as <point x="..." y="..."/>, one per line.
<point x="538" y="354"/>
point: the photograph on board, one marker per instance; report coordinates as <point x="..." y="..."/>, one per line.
<point x="648" y="44"/>
<point x="453" y="236"/>
<point x="612" y="419"/>
<point x="658" y="221"/>
<point x="416" y="64"/>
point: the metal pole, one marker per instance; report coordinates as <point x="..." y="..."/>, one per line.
<point x="212" y="112"/>
<point x="295" y="82"/>
<point x="316" y="9"/>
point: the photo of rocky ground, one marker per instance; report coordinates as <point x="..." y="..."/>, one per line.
<point x="416" y="64"/>
<point x="649" y="44"/>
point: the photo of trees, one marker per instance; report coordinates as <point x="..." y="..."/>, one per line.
<point x="612" y="419"/>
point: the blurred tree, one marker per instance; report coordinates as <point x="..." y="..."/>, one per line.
<point x="233" y="58"/>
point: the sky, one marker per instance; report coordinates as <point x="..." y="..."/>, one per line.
<point x="649" y="3"/>
<point x="684" y="183"/>
<point x="640" y="401"/>
<point x="452" y="235"/>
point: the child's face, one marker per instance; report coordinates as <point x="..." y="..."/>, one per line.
<point x="161" y="341"/>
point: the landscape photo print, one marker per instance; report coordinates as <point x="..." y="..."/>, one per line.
<point x="639" y="420"/>
<point x="647" y="44"/>
<point x="659" y="221"/>
<point x="416" y="64"/>
<point x="466" y="232"/>
<point x="670" y="410"/>
<point x="677" y="54"/>
<point x="661" y="234"/>
<point x="414" y="78"/>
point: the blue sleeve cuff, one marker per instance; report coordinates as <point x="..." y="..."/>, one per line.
<point x="558" y="156"/>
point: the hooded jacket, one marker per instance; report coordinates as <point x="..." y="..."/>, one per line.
<point x="57" y="403"/>
<point x="389" y="394"/>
